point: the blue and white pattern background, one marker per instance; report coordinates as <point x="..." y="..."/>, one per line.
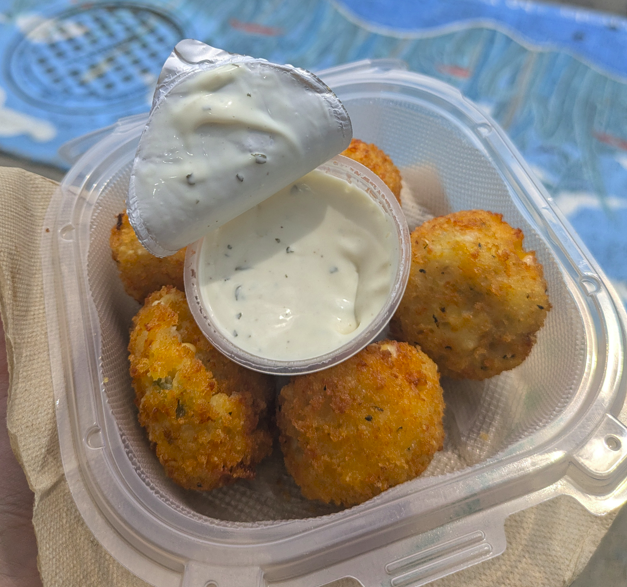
<point x="554" y="78"/>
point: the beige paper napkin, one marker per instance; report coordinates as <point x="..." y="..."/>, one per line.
<point x="546" y="546"/>
<point x="69" y="555"/>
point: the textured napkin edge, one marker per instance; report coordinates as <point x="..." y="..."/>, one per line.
<point x="68" y="553"/>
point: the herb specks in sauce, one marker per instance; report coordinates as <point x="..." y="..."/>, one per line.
<point x="317" y="299"/>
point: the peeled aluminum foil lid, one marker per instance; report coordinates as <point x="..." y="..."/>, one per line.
<point x="225" y="132"/>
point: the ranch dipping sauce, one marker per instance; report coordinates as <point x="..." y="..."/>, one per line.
<point x="303" y="272"/>
<point x="296" y="259"/>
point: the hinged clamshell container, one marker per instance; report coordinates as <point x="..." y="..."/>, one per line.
<point x="548" y="428"/>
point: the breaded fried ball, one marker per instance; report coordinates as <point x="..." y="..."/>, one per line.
<point x="140" y="271"/>
<point x="206" y="416"/>
<point x="378" y="162"/>
<point x="475" y="298"/>
<point x="354" y="430"/>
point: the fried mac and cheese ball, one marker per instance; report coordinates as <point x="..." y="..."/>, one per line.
<point x="354" y="430"/>
<point x="475" y="298"/>
<point x="205" y="415"/>
<point x="140" y="271"/>
<point x="378" y="162"/>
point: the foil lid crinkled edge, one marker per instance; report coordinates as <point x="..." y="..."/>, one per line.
<point x="190" y="56"/>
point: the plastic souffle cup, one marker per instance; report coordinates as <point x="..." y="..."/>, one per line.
<point x="551" y="427"/>
<point x="370" y="184"/>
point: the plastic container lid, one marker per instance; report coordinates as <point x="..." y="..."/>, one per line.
<point x="225" y="132"/>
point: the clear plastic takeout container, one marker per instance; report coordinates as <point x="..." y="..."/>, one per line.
<point x="550" y="427"/>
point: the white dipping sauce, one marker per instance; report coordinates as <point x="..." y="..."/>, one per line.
<point x="223" y="140"/>
<point x="302" y="273"/>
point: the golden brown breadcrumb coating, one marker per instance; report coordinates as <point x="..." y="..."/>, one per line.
<point x="205" y="415"/>
<point x="378" y="162"/>
<point x="140" y="271"/>
<point x="475" y="298"/>
<point x="354" y="430"/>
